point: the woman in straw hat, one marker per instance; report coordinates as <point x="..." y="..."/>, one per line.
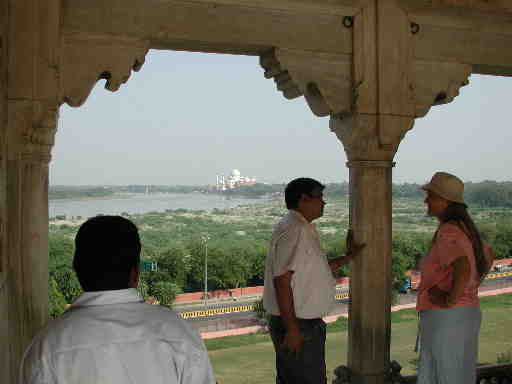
<point x="447" y="300"/>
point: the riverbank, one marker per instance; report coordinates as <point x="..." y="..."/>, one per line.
<point x="140" y="203"/>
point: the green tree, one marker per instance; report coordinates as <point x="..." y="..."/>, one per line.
<point x="143" y="288"/>
<point x="57" y="302"/>
<point x="502" y="243"/>
<point x="173" y="265"/>
<point x="67" y="283"/>
<point x="165" y="292"/>
<point x="60" y="260"/>
<point x="229" y="268"/>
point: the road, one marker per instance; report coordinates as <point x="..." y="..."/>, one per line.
<point x="246" y="319"/>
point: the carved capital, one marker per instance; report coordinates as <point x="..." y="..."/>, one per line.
<point x="325" y="79"/>
<point x="31" y="130"/>
<point x="87" y="59"/>
<point x="368" y="137"/>
<point x="437" y="83"/>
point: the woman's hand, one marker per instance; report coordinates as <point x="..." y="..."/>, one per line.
<point x="439" y="297"/>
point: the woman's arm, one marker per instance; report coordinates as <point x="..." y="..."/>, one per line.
<point x="461" y="276"/>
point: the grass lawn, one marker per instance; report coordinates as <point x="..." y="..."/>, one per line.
<point x="249" y="359"/>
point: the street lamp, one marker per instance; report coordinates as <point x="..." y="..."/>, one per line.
<point x="205" y="239"/>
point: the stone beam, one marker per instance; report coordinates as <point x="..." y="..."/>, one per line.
<point x="225" y="26"/>
<point x="480" y="37"/>
<point x="495" y="6"/>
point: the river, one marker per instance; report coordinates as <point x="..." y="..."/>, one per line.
<point x="143" y="203"/>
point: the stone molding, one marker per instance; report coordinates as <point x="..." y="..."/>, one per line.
<point x="370" y="164"/>
<point x="85" y="59"/>
<point x="370" y="140"/>
<point x="31" y="130"/>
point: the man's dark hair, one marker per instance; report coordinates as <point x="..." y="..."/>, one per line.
<point x="296" y="188"/>
<point x="106" y="250"/>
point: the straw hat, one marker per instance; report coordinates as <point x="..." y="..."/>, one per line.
<point x="446" y="185"/>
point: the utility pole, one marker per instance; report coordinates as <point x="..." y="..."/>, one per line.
<point x="205" y="239"/>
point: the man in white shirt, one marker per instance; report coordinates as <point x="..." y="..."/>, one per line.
<point x="299" y="286"/>
<point x="109" y="335"/>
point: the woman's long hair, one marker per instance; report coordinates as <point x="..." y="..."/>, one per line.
<point x="457" y="214"/>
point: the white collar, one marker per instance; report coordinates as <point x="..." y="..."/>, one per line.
<point x="298" y="215"/>
<point x="119" y="296"/>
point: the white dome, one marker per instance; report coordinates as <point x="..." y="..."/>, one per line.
<point x="235" y="172"/>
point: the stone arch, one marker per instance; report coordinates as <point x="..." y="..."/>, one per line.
<point x="378" y="72"/>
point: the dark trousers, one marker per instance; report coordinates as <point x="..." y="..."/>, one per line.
<point x="306" y="366"/>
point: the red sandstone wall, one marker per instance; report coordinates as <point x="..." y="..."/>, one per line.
<point x="255" y="291"/>
<point x="235" y="292"/>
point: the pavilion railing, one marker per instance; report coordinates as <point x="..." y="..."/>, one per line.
<point x="486" y="374"/>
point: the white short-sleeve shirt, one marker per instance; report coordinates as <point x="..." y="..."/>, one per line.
<point x="113" y="337"/>
<point x="295" y="246"/>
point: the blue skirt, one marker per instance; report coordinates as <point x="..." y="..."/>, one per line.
<point x="449" y="345"/>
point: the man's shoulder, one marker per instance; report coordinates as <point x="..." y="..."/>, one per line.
<point x="290" y="222"/>
<point x="146" y="320"/>
<point x="134" y="313"/>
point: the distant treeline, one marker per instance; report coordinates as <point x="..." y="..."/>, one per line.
<point x="71" y="192"/>
<point x="487" y="194"/>
<point x="77" y="192"/>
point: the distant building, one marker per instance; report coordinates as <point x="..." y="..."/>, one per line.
<point x="234" y="180"/>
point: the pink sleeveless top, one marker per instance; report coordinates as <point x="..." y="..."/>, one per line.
<point x="436" y="270"/>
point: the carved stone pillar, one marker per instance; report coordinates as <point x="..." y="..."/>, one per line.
<point x="370" y="328"/>
<point x="370" y="160"/>
<point x="31" y="128"/>
<point x="29" y="66"/>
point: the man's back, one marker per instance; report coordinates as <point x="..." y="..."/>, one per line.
<point x="113" y="337"/>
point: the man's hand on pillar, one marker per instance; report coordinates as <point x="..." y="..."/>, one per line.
<point x="352" y="247"/>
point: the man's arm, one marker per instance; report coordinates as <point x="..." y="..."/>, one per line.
<point x="353" y="249"/>
<point x="338" y="262"/>
<point x="197" y="369"/>
<point x="293" y="339"/>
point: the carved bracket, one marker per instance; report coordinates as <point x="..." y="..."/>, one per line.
<point x="324" y="79"/>
<point x="437" y="83"/>
<point x="87" y="59"/>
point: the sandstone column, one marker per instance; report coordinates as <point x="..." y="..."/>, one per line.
<point x="28" y="111"/>
<point x="370" y="167"/>
<point x="383" y="111"/>
<point x="369" y="313"/>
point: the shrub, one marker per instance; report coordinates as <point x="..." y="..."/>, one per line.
<point x="504" y="357"/>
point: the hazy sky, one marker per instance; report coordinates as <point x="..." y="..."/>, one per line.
<point x="186" y="117"/>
